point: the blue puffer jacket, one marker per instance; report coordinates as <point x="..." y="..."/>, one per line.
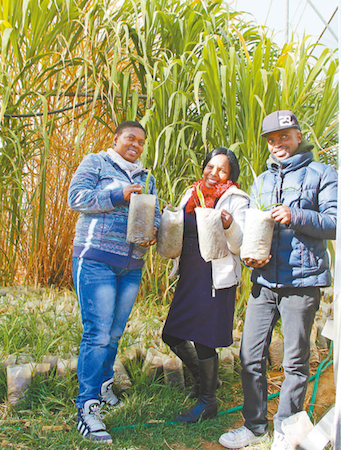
<point x="299" y="256"/>
<point x="96" y="191"/>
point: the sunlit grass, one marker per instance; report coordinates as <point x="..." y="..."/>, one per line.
<point x="37" y="322"/>
<point x="48" y="321"/>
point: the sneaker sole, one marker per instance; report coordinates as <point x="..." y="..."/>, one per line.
<point x="83" y="429"/>
<point x="224" y="443"/>
<point x="95" y="438"/>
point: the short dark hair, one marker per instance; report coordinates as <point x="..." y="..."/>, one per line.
<point x="230" y="156"/>
<point x="128" y="124"/>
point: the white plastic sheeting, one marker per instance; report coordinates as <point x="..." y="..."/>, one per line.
<point x="337" y="292"/>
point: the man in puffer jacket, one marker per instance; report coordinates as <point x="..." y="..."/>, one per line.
<point x="286" y="285"/>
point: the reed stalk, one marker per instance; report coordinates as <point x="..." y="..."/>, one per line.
<point x="194" y="74"/>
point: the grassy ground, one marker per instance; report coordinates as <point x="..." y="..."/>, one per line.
<point x="47" y="418"/>
<point x="34" y="323"/>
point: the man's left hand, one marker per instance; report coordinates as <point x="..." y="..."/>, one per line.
<point x="256" y="264"/>
<point x="281" y="214"/>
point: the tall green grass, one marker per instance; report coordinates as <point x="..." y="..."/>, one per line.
<point x="194" y="73"/>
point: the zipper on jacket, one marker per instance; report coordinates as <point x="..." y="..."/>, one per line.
<point x="280" y="187"/>
<point x="279" y="201"/>
<point x="131" y="179"/>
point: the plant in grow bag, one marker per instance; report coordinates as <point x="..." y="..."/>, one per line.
<point x="140" y="228"/>
<point x="258" y="228"/>
<point x="212" y="242"/>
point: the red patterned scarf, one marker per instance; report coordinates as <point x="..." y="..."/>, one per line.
<point x="210" y="195"/>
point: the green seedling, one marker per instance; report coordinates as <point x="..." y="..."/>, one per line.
<point x="200" y="197"/>
<point x="146" y="186"/>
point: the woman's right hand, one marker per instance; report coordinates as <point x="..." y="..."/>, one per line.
<point x="131" y="188"/>
<point x="226" y="219"/>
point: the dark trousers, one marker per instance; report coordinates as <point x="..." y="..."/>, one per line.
<point x="297" y="308"/>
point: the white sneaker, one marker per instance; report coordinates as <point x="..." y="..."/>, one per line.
<point x="240" y="438"/>
<point x="107" y="394"/>
<point x="90" y="423"/>
<point x="280" y="443"/>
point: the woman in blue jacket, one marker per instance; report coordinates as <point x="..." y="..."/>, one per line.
<point x="106" y="269"/>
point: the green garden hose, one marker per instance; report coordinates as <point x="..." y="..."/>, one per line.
<point x="321" y="368"/>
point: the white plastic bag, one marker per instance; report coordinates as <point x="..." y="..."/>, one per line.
<point x="121" y="377"/>
<point x="258" y="232"/>
<point x="153" y="365"/>
<point x="296" y="428"/>
<point x="173" y="371"/>
<point x="140" y="228"/>
<point x="170" y="235"/>
<point x="212" y="241"/>
<point x="18" y="379"/>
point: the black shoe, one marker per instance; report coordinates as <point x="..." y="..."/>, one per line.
<point x="188" y="355"/>
<point x="206" y="405"/>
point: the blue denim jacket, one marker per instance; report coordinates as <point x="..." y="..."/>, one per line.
<point x="96" y="192"/>
<point x="299" y="250"/>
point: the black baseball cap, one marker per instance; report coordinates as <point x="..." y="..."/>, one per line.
<point x="279" y="120"/>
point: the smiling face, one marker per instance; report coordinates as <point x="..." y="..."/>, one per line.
<point x="283" y="143"/>
<point x="217" y="171"/>
<point x="129" y="144"/>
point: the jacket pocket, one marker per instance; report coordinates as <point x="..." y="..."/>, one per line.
<point x="225" y="272"/>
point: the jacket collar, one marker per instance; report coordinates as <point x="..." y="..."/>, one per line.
<point x="301" y="157"/>
<point x="110" y="160"/>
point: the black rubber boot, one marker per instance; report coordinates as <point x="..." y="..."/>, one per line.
<point x="206" y="406"/>
<point x="188" y="355"/>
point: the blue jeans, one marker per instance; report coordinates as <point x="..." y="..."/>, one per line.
<point x="106" y="295"/>
<point x="297" y="308"/>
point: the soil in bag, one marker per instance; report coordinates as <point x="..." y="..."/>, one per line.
<point x="140" y="228"/>
<point x="258" y="232"/>
<point x="170" y="235"/>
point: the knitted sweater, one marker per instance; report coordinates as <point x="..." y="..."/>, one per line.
<point x="96" y="192"/>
